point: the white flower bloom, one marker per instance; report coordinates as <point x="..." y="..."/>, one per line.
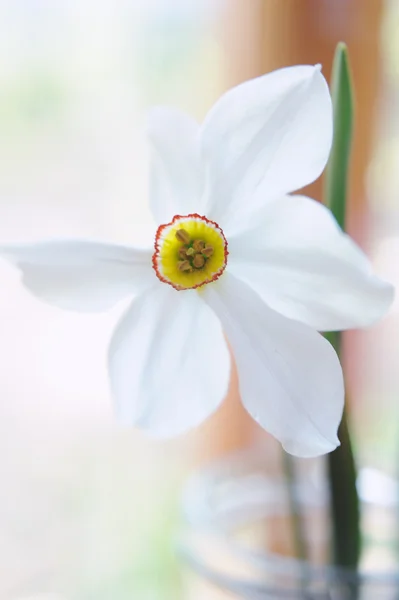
<point x="237" y="258"/>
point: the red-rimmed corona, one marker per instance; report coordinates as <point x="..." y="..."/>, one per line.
<point x="190" y="252"/>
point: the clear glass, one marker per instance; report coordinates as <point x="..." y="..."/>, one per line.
<point x="239" y="534"/>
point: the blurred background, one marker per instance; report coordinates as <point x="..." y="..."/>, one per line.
<point x="86" y="507"/>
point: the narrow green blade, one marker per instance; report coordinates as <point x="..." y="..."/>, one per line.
<point x="336" y="176"/>
<point x="342" y="467"/>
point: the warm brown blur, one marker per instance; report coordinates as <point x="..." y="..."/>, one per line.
<point x="279" y="34"/>
<point x="264" y="35"/>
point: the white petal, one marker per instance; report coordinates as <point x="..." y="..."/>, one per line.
<point x="289" y="375"/>
<point x="81" y="275"/>
<point x="302" y="264"/>
<point x="168" y="362"/>
<point x="176" y="176"/>
<point x="265" y="137"/>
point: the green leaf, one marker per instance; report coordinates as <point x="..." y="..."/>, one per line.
<point x="336" y="176"/>
<point x="345" y="511"/>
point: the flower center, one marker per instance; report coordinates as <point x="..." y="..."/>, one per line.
<point x="190" y="252"/>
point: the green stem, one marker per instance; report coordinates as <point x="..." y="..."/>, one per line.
<point x="345" y="511"/>
<point x="344" y="501"/>
<point x="298" y="529"/>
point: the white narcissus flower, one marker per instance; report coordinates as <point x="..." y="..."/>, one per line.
<point x="236" y="258"/>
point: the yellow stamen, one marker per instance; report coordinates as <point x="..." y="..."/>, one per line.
<point x="184" y="265"/>
<point x="207" y="251"/>
<point x="183" y="236"/>
<point x="198" y="261"/>
<point x="183" y="252"/>
<point x="198" y="245"/>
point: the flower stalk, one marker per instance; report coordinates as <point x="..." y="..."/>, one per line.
<point x="298" y="526"/>
<point x="341" y="462"/>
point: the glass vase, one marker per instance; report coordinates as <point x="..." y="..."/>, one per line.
<point x="239" y="538"/>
